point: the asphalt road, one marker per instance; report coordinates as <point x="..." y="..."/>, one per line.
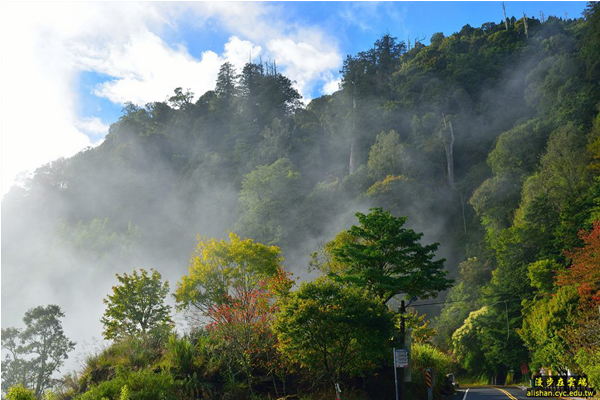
<point x="493" y="393"/>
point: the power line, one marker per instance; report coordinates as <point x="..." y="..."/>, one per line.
<point x="458" y="301"/>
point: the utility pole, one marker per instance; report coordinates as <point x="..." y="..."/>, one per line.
<point x="402" y="333"/>
<point x="404" y="352"/>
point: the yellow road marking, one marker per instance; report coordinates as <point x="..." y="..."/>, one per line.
<point x="510" y="396"/>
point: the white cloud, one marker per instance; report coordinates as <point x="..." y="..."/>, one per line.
<point x="331" y="86"/>
<point x="306" y="54"/>
<point x="252" y="20"/>
<point x="37" y="125"/>
<point x="364" y="15"/>
<point x="303" y="62"/>
<point x="238" y="52"/>
<point x="92" y="126"/>
<point x="147" y="70"/>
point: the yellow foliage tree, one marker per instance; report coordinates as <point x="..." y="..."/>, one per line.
<point x="219" y="265"/>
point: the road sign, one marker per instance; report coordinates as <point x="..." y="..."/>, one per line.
<point x="401" y="356"/>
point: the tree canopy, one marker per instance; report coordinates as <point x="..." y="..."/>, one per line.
<point x="218" y="266"/>
<point x="334" y="329"/>
<point x="388" y="259"/>
<point x="137" y="306"/>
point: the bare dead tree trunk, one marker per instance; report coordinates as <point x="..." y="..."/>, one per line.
<point x="448" y="146"/>
<point x="525" y="25"/>
<point x="505" y="19"/>
<point x="462" y="204"/>
<point x="352" y="166"/>
<point x="352" y="163"/>
<point x="450" y="156"/>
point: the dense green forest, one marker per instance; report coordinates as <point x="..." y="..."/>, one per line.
<point x="486" y="141"/>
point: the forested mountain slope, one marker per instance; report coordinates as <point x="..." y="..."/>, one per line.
<point x="488" y="140"/>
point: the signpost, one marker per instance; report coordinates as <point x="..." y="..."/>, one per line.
<point x="408" y="347"/>
<point x="396" y="371"/>
<point x="401" y="360"/>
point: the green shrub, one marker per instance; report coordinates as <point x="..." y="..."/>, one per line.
<point x="18" y="392"/>
<point x="131" y="353"/>
<point x="125" y="393"/>
<point x="180" y="355"/>
<point x="427" y="356"/>
<point x="136" y="385"/>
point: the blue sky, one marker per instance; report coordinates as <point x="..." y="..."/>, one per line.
<point x="352" y="27"/>
<point x="77" y="63"/>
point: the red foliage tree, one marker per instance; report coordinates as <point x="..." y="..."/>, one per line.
<point x="241" y="325"/>
<point x="583" y="333"/>
<point x="584" y="272"/>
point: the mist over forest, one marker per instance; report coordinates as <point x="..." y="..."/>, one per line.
<point x="488" y="140"/>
